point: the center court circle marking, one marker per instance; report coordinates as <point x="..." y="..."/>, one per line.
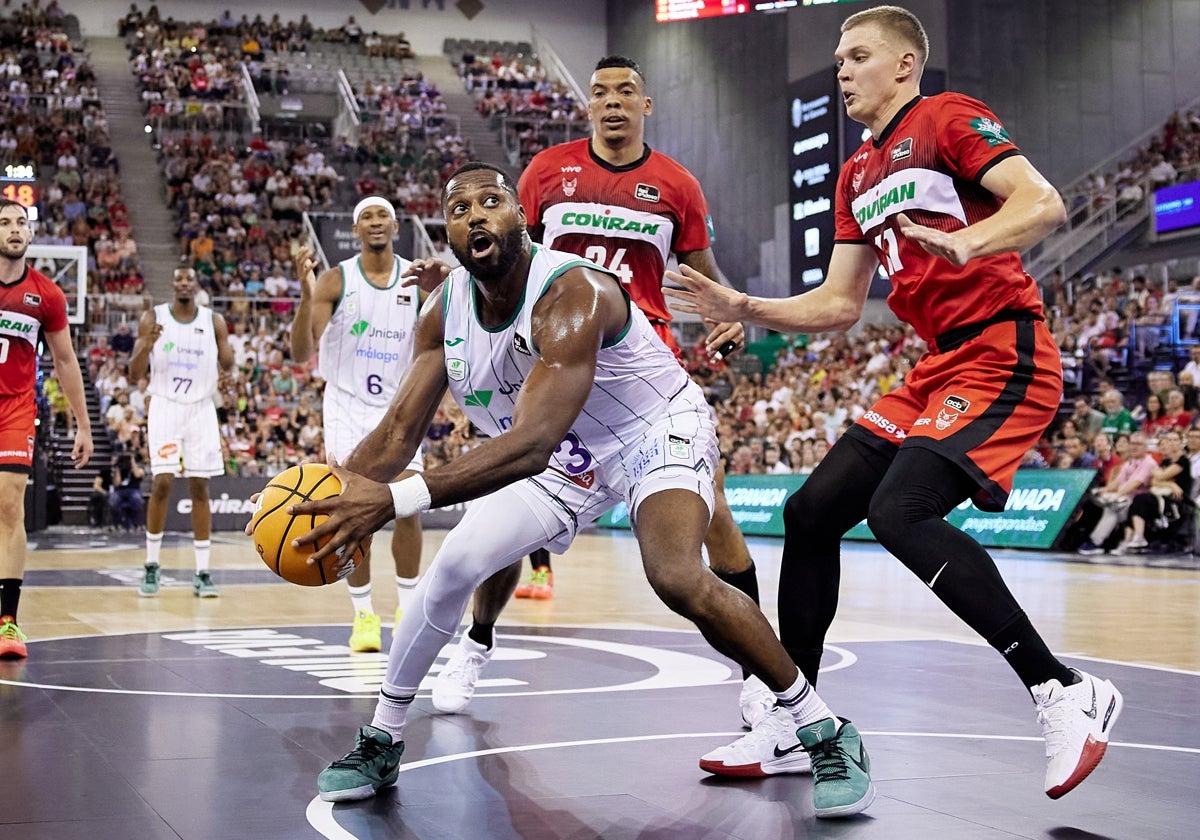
<point x="672" y="669"/>
<point x="319" y="813"/>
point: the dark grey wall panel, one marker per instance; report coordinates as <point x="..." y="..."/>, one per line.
<point x="1073" y="81"/>
<point x="720" y="106"/>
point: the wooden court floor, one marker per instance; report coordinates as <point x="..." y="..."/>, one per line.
<point x="172" y="717"/>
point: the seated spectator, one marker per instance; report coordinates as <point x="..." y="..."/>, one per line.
<point x="1153" y="513"/>
<point x="1075" y="455"/>
<point x="1115" y="497"/>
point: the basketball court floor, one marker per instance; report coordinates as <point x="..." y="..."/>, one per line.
<point x="173" y="717"/>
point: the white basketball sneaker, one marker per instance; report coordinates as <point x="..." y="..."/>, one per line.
<point x="757" y="701"/>
<point x="455" y="685"/>
<point x="770" y="748"/>
<point x="1076" y="721"/>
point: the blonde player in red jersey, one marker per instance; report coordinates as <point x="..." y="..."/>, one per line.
<point x="616" y="202"/>
<point x="30" y="303"/>
<point x="941" y="198"/>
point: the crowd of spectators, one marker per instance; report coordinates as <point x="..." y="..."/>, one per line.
<point x="1171" y="156"/>
<point x="52" y="120"/>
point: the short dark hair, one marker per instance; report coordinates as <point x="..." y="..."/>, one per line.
<point x="8" y="202"/>
<point x="620" y="61"/>
<point x="505" y="179"/>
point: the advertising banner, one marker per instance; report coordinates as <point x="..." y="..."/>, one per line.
<point x="1038" y="509"/>
<point x="229" y="498"/>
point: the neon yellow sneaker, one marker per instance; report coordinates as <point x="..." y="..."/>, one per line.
<point x="12" y="640"/>
<point x="540" y="585"/>
<point x="365" y="637"/>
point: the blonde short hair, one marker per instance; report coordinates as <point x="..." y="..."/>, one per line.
<point x="894" y="20"/>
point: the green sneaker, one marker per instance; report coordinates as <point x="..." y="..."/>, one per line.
<point x="374" y="763"/>
<point x="203" y="586"/>
<point x="840" y="766"/>
<point x="149" y="581"/>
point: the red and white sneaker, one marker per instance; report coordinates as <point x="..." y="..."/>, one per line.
<point x="12" y="640"/>
<point x="771" y="748"/>
<point x="1076" y="721"/>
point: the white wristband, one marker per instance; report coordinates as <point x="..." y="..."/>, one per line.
<point x="409" y="496"/>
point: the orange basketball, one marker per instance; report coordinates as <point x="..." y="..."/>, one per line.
<point x="274" y="528"/>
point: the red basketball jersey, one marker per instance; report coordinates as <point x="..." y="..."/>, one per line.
<point x="628" y="219"/>
<point x="30" y="303"/>
<point x="928" y="165"/>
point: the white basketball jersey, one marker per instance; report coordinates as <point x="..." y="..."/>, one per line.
<point x="183" y="361"/>
<point x="368" y="343"/>
<point x="636" y="375"/>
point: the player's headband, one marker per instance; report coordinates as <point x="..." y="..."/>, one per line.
<point x="373" y="201"/>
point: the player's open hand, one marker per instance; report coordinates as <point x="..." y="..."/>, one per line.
<point x="362" y="508"/>
<point x="709" y="300"/>
<point x="427" y="274"/>
<point x="948" y="246"/>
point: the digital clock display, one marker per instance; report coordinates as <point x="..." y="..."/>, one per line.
<point x="18" y="182"/>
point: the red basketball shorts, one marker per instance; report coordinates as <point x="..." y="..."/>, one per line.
<point x="17" y="432"/>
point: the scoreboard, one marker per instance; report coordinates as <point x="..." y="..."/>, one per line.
<point x="671" y="10"/>
<point x="18" y="182"/>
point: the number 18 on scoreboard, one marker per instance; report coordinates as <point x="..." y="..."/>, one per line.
<point x="18" y="182"/>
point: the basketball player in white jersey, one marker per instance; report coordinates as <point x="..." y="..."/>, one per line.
<point x="186" y="349"/>
<point x="360" y="320"/>
<point x="584" y="407"/>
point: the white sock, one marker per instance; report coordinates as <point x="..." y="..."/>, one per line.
<point x="360" y="598"/>
<point x="153" y="547"/>
<point x="201" y="547"/>
<point x="404" y="591"/>
<point x="802" y="701"/>
<point x="391" y="714"/>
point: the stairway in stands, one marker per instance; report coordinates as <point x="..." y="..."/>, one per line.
<point x="485" y="143"/>
<point x="75" y="485"/>
<point x="141" y="178"/>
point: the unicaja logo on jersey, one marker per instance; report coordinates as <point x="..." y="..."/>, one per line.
<point x="478" y="398"/>
<point x="359" y="328"/>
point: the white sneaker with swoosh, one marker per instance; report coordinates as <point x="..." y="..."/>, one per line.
<point x="770" y="748"/>
<point x="1076" y="721"/>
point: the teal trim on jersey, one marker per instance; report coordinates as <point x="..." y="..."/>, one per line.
<point x="199" y="309"/>
<point x="475" y="309"/>
<point x="628" y="322"/>
<point x="342" y="293"/>
<point x="395" y="274"/>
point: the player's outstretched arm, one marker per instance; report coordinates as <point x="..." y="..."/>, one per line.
<point x="834" y="305"/>
<point x="148" y="332"/>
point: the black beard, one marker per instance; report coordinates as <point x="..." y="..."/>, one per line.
<point x="10" y="253"/>
<point x="508" y="252"/>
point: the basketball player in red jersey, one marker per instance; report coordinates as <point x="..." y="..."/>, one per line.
<point x="940" y="198"/>
<point x="29" y="302"/>
<point x="613" y="200"/>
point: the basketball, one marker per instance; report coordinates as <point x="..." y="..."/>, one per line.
<point x="273" y="528"/>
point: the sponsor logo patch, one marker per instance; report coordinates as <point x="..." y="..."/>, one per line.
<point x="902" y="150"/>
<point x="945" y="419"/>
<point x="521" y="345"/>
<point x="646" y="192"/>
<point x="957" y="403"/>
<point x="990" y="130"/>
<point x="168" y="450"/>
<point x="32" y="300"/>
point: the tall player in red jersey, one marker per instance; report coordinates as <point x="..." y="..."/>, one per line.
<point x="30" y="303"/>
<point x="940" y="198"/>
<point x="615" y="201"/>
